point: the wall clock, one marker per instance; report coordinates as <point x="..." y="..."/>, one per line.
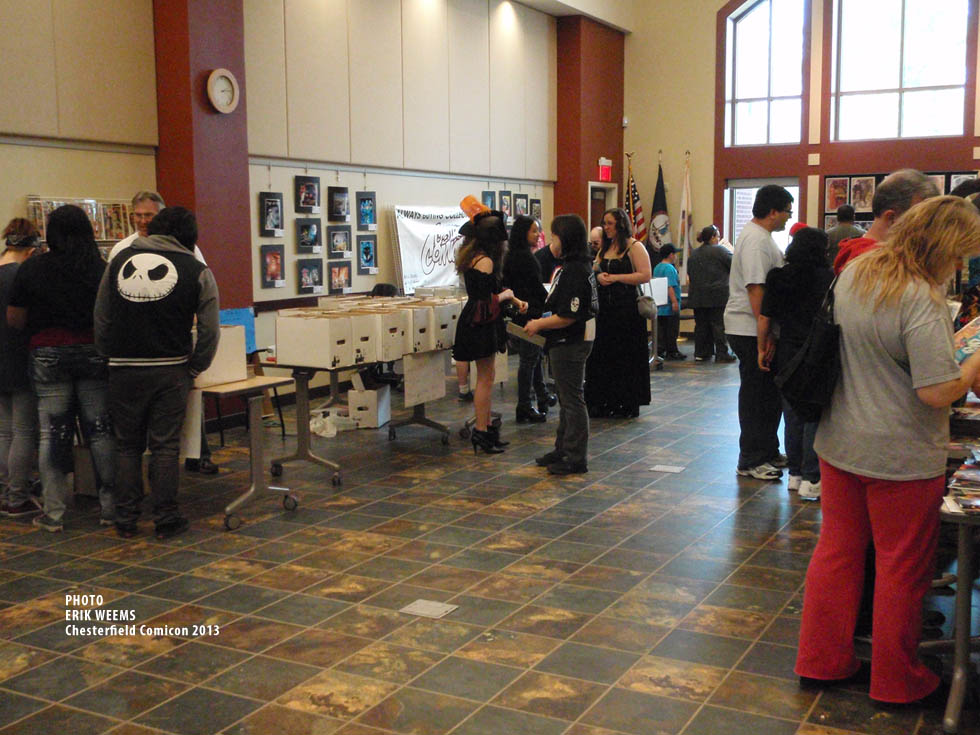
<point x="223" y="91"/>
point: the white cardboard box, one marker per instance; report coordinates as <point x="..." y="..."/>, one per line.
<point x="229" y="362"/>
<point x="444" y="315"/>
<point x="370" y="408"/>
<point x="365" y="335"/>
<point x="423" y="327"/>
<point x="396" y="334"/>
<point x="313" y="339"/>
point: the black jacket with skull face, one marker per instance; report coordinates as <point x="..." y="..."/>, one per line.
<point x="148" y="298"/>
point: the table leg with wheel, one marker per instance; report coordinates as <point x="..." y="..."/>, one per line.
<point x="302" y="377"/>
<point x="258" y="484"/>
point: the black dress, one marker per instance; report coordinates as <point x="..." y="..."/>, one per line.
<point x="481" y="331"/>
<point x="617" y="374"/>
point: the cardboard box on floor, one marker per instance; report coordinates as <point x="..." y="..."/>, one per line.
<point x="371" y="408"/>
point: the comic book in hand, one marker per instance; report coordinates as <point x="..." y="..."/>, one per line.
<point x="967" y="340"/>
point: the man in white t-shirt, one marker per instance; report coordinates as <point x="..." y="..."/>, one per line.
<point x="759" y="403"/>
<point x="146" y="206"/>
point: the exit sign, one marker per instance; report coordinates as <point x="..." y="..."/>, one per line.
<point x="605" y="169"/>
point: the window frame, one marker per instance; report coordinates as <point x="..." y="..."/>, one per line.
<point x="730" y="75"/>
<point x="835" y="94"/>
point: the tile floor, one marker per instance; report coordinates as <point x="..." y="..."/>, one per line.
<point x="621" y="601"/>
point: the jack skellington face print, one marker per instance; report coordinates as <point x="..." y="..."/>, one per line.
<point x="146" y="277"/>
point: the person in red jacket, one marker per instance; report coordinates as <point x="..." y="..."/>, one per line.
<point x="894" y="196"/>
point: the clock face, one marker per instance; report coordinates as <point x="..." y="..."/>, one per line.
<point x="223" y="90"/>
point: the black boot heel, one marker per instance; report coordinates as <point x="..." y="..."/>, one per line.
<point x="484" y="440"/>
<point x="494" y="431"/>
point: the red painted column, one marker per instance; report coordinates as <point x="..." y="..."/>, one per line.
<point x="202" y="159"/>
<point x="591" y="79"/>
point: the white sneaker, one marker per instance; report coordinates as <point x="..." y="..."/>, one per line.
<point x="764" y="471"/>
<point x="810" y="490"/>
<point x="794" y="482"/>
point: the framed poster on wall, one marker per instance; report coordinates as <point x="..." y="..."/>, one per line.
<point x="940" y="181"/>
<point x="536" y="210"/>
<point x="338" y="204"/>
<point x="307" y="194"/>
<point x="308" y="235"/>
<point x="520" y="205"/>
<point x="272" y="257"/>
<point x="835" y="193"/>
<point x="367" y="214"/>
<point x="309" y="272"/>
<point x="862" y="192"/>
<point x="340" y="276"/>
<point x="338" y="241"/>
<point x="957" y="179"/>
<point x="505" y="202"/>
<point x="367" y="255"/>
<point x="489" y="199"/>
<point x="270" y="214"/>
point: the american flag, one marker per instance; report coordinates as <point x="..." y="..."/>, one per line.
<point x="634" y="208"/>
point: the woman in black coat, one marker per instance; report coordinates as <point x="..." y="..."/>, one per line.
<point x="522" y="274"/>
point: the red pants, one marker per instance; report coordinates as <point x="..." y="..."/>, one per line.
<point x="903" y="520"/>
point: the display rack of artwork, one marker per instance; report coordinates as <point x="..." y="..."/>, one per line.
<point x="111" y="218"/>
<point x="859" y="191"/>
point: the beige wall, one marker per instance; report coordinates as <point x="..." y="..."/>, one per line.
<point x="391" y="83"/>
<point x="79" y="69"/>
<point x="71" y="71"/>
<point x="69" y="173"/>
<point x="670" y="100"/>
<point x="464" y="89"/>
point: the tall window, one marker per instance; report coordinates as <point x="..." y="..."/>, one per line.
<point x="764" y="73"/>
<point x="899" y="68"/>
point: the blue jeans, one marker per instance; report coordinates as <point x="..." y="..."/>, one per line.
<point x="18" y="437"/>
<point x="69" y="379"/>
<point x="798" y="436"/>
<point x="529" y="374"/>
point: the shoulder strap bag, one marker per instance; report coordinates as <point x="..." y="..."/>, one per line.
<point x="808" y="380"/>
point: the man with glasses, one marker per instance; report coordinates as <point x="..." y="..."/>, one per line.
<point x="759" y="404"/>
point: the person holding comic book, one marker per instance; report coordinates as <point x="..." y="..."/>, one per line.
<point x="882" y="446"/>
<point x="569" y="330"/>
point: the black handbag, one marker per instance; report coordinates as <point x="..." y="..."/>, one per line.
<point x="808" y="380"/>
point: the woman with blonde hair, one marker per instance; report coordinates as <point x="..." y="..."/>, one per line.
<point x="480" y="331"/>
<point x="882" y="447"/>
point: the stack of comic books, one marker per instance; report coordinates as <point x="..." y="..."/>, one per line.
<point x="964" y="485"/>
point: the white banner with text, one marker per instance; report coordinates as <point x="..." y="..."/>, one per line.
<point x="427" y="241"/>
